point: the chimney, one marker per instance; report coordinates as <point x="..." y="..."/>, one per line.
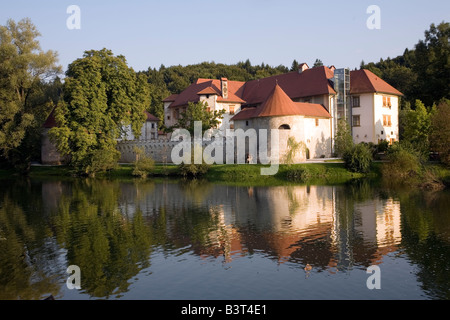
<point x="224" y="87"/>
<point x="302" y="67"/>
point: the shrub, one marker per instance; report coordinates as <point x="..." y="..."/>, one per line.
<point x="193" y="170"/>
<point x="403" y="163"/>
<point x="358" y="158"/>
<point x="143" y="165"/>
<point x="298" y="174"/>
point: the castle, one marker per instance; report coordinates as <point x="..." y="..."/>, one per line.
<point x="305" y="104"/>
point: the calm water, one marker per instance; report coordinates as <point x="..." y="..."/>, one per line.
<point x="175" y="240"/>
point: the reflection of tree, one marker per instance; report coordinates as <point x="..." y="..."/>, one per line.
<point x="24" y="271"/>
<point x="108" y="248"/>
<point x="425" y="236"/>
<point x="195" y="189"/>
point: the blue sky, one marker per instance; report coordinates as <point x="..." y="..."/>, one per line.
<point x="173" y="32"/>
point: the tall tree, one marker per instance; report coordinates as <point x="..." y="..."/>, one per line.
<point x="25" y="71"/>
<point x="101" y="95"/>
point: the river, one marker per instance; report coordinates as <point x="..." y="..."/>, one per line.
<point x="170" y="239"/>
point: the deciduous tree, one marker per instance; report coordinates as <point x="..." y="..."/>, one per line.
<point x="101" y="95"/>
<point x="26" y="71"/>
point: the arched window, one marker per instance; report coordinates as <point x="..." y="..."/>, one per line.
<point x="284" y="127"/>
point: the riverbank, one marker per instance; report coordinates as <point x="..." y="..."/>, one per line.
<point x="246" y="175"/>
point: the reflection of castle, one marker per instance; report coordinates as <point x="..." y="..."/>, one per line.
<point x="301" y="224"/>
<point x="317" y="225"/>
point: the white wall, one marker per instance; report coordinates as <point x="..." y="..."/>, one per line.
<point x="365" y="132"/>
<point x="318" y="138"/>
<point x="147" y="132"/>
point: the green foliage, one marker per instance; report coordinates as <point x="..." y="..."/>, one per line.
<point x="26" y="75"/>
<point x="440" y="131"/>
<point x="193" y="170"/>
<point x="421" y="73"/>
<point x="144" y="165"/>
<point x="199" y="112"/>
<point x="299" y="174"/>
<point x="404" y="163"/>
<point x="358" y="158"/>
<point x="294" y="147"/>
<point x="344" y="139"/>
<point x="416" y="127"/>
<point x="101" y="95"/>
<point x="318" y="63"/>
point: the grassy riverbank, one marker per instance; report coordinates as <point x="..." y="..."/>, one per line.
<point x="245" y="175"/>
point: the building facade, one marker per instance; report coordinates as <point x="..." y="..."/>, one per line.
<point x="365" y="101"/>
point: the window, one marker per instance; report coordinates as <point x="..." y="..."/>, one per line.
<point x="392" y="141"/>
<point x="284" y="127"/>
<point x="153" y="125"/>
<point x="387" y="102"/>
<point x="246" y="123"/>
<point x="231" y="109"/>
<point x="317" y="122"/>
<point x="356" y="121"/>
<point x="387" y="121"/>
<point x="355" y="102"/>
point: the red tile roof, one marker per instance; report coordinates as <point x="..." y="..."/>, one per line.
<point x="364" y="81"/>
<point x="150" y="117"/>
<point x="279" y="104"/>
<point x="208" y="90"/>
<point x="311" y="82"/>
<point x="171" y="98"/>
<point x="51" y="121"/>
<point x="191" y="93"/>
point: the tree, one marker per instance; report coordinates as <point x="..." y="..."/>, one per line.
<point x="25" y="72"/>
<point x="432" y="65"/>
<point x="440" y="131"/>
<point x="101" y="95"/>
<point x="294" y="66"/>
<point x="416" y="127"/>
<point x="344" y="139"/>
<point x="318" y="63"/>
<point x="199" y="112"/>
<point x="293" y="147"/>
<point x="358" y="158"/>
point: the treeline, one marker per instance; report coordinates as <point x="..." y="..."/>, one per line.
<point x="422" y="73"/>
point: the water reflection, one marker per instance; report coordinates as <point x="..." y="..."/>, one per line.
<point x="114" y="231"/>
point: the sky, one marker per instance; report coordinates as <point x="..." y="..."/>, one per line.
<point x="274" y="32"/>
